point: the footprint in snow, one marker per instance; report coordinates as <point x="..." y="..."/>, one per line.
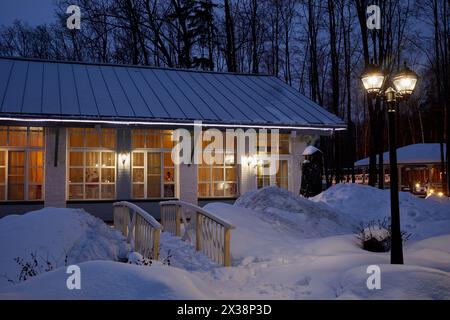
<point x="304" y="281"/>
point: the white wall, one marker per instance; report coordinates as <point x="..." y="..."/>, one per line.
<point x="55" y="174"/>
<point x="187" y="182"/>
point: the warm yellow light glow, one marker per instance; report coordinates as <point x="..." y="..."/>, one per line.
<point x="417" y="185"/>
<point x="405" y="81"/>
<point x="405" y="85"/>
<point x="229" y="159"/>
<point x="373" y="82"/>
<point x="440" y="194"/>
<point x="123" y="157"/>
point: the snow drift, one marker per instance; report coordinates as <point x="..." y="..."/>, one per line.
<point x="293" y="213"/>
<point x="53" y="233"/>
<point x="420" y="217"/>
<point x="397" y="282"/>
<point x="111" y="280"/>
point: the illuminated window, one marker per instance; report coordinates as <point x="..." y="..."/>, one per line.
<point x="91" y="164"/>
<point x="21" y="163"/>
<point x="263" y="180"/>
<point x="264" y="147"/>
<point x="218" y="179"/>
<point x="3" y="175"/>
<point x="284" y="144"/>
<point x="265" y="142"/>
<point x="153" y="171"/>
<point x="280" y="179"/>
<point x="282" y="174"/>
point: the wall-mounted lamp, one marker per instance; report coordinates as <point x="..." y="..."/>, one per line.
<point x="250" y="160"/>
<point x="123" y="157"/>
<point x="229" y="159"/>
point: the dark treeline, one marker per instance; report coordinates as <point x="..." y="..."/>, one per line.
<point x="319" y="47"/>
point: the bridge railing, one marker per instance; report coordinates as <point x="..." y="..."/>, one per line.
<point x="212" y="234"/>
<point x="139" y="227"/>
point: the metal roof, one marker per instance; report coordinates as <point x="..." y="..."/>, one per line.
<point x="35" y="89"/>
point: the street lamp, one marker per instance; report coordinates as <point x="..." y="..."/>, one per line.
<point x="404" y="82"/>
<point x="373" y="79"/>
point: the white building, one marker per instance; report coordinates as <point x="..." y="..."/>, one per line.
<point x="86" y="135"/>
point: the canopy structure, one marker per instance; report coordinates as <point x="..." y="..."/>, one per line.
<point x="53" y="91"/>
<point x="420" y="153"/>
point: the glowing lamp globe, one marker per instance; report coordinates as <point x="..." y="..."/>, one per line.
<point x="405" y="81"/>
<point x="373" y="79"/>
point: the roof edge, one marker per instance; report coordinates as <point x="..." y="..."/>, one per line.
<point x="164" y="122"/>
<point x="104" y="64"/>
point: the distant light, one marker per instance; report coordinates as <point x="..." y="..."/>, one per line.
<point x="417" y="185"/>
<point x="440" y="194"/>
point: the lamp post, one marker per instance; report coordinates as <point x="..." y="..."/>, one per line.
<point x="404" y="82"/>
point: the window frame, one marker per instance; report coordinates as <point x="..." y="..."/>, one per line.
<point x="84" y="150"/>
<point x="224" y="166"/>
<point x="145" y="151"/>
<point x="26" y="149"/>
<point x="273" y="178"/>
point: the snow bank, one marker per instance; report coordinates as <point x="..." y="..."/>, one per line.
<point x="422" y="218"/>
<point x="436" y="198"/>
<point x="276" y="255"/>
<point x="296" y="214"/>
<point x="397" y="282"/>
<point x="51" y="233"/>
<point x="254" y="235"/>
<point x="432" y="252"/>
<point x="112" y="280"/>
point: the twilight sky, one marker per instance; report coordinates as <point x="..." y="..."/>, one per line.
<point x="33" y="12"/>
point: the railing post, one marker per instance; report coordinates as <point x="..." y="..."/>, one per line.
<point x="178" y="221"/>
<point x="137" y="233"/>
<point x="156" y="234"/>
<point x="226" y="248"/>
<point x="198" y="231"/>
<point x="162" y="214"/>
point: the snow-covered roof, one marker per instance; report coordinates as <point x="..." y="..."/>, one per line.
<point x="419" y="153"/>
<point x="309" y="150"/>
<point x="71" y="90"/>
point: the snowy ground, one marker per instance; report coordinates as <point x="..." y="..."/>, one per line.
<point x="52" y="234"/>
<point x="284" y="247"/>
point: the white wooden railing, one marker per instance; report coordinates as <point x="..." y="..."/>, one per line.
<point x="212" y="234"/>
<point x="140" y="228"/>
